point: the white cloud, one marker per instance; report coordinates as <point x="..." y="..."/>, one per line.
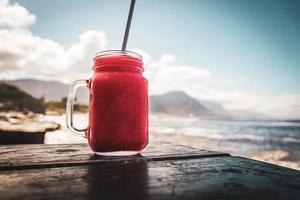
<point x="21" y="50"/>
<point x="24" y="54"/>
<point x="79" y="56"/>
<point x="165" y="75"/>
<point x="283" y="107"/>
<point x="14" y="15"/>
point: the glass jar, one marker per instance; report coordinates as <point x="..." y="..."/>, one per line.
<point x="118" y="104"/>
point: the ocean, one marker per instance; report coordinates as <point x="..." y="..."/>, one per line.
<point x="233" y="136"/>
<point x="240" y="137"/>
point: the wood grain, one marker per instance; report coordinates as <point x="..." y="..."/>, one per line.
<point x="44" y="156"/>
<point x="200" y="178"/>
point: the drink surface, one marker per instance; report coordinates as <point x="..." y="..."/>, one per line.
<point x="118" y="105"/>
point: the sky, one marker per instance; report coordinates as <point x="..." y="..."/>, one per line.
<point x="243" y="54"/>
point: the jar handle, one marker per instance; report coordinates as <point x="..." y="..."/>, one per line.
<point x="70" y="106"/>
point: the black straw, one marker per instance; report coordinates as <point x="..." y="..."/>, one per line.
<point x="128" y="25"/>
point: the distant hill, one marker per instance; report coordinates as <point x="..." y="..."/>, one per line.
<point x="177" y="102"/>
<point x="13" y="99"/>
<point x="50" y="90"/>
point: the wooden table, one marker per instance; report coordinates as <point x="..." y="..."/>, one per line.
<point x="164" y="171"/>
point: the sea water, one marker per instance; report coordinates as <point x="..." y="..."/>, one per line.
<point x="238" y="136"/>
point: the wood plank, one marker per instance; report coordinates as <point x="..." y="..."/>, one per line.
<point x="43" y="156"/>
<point x="18" y="137"/>
<point x="201" y="178"/>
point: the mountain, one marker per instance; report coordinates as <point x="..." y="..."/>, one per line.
<point x="177" y="102"/>
<point x="12" y="98"/>
<point x="49" y="90"/>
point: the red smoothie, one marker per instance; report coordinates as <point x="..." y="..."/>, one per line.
<point x="118" y="113"/>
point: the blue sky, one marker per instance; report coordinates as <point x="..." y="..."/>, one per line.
<point x="254" y="43"/>
<point x="242" y="54"/>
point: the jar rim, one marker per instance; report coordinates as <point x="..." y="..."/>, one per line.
<point x="118" y="52"/>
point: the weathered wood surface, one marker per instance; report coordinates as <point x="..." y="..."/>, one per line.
<point x="43" y="156"/>
<point x="164" y="171"/>
<point x="19" y="137"/>
<point x="200" y="178"/>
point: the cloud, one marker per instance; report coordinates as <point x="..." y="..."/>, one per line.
<point x="79" y="56"/>
<point x="21" y="50"/>
<point x="23" y="54"/>
<point x="283" y="107"/>
<point x="14" y="15"/>
<point x="165" y="75"/>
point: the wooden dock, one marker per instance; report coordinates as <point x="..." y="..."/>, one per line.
<point x="164" y="171"/>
